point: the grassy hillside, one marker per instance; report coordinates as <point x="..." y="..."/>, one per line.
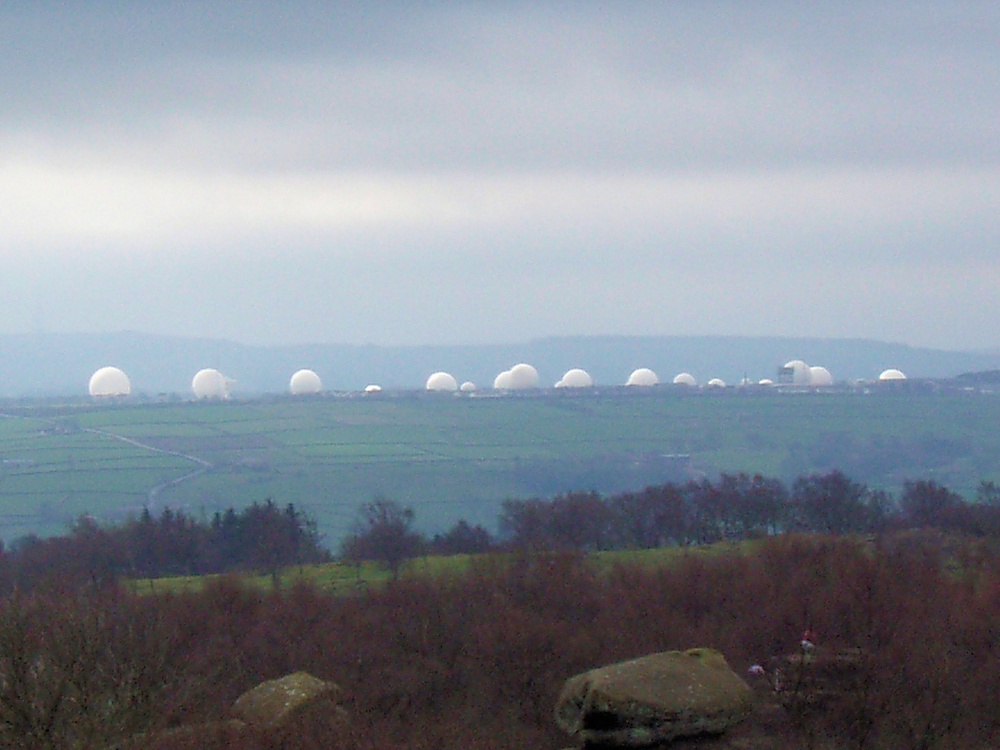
<point x="460" y="457"/>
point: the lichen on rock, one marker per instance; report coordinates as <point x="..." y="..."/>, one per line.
<point x="653" y="699"/>
<point x="272" y="702"/>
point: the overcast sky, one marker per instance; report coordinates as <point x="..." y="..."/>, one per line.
<point x="493" y="172"/>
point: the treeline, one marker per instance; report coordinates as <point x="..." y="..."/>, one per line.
<point x="735" y="507"/>
<point x="740" y="506"/>
<point x="262" y="537"/>
<point x="265" y="537"/>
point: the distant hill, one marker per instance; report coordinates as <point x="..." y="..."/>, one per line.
<point x="52" y="364"/>
<point x="984" y="378"/>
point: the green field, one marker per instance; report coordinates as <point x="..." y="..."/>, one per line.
<point x="345" y="578"/>
<point x="459" y="457"/>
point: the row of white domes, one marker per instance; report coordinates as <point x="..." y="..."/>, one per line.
<point x="524" y="376"/>
<point x="210" y="383"/>
<point x="207" y="383"/>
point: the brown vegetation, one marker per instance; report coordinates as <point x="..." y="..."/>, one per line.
<point x="477" y="661"/>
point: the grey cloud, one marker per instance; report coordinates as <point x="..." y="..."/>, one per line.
<point x="456" y="171"/>
<point x="666" y="87"/>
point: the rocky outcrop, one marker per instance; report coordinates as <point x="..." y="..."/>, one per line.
<point x="276" y="710"/>
<point x="272" y="702"/>
<point x="654" y="699"/>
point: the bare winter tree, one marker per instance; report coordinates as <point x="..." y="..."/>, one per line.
<point x="384" y="533"/>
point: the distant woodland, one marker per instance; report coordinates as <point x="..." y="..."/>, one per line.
<point x="264" y="537"/>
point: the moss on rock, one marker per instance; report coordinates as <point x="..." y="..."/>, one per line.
<point x="653" y="699"/>
<point x="272" y="702"/>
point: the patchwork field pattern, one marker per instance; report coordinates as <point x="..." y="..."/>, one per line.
<point x="459" y="457"/>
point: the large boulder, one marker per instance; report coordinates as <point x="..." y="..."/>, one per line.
<point x="278" y="712"/>
<point x="654" y="699"/>
<point x="271" y="703"/>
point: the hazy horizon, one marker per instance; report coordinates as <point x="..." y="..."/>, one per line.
<point x="477" y="174"/>
<point x="502" y="342"/>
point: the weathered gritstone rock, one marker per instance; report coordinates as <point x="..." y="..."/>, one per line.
<point x="654" y="699"/>
<point x="270" y="703"/>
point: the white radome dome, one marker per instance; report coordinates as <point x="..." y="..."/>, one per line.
<point x="502" y="381"/>
<point x="643" y="377"/>
<point x="305" y="382"/>
<point x="801" y="374"/>
<point x="373" y="388"/>
<point x="892" y="374"/>
<point x="109" y="381"/>
<point x="765" y="381"/>
<point x="576" y="378"/>
<point x="210" y="383"/>
<point x="467" y="387"/>
<point x="523" y="377"/>
<point x="820" y="376"/>
<point x="442" y="381"/>
<point x="685" y="378"/>
<point x="716" y="383"/>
